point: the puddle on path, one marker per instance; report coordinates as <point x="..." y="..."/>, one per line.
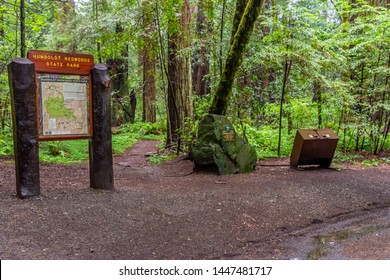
<point x="323" y="245"/>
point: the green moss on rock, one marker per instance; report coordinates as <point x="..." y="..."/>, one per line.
<point x="233" y="156"/>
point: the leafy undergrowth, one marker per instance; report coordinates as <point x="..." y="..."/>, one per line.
<point x="68" y="152"/>
<point x="6" y="142"/>
<point x="163" y="154"/>
<point x="127" y="135"/>
<point x="161" y="158"/>
<point x="363" y="158"/>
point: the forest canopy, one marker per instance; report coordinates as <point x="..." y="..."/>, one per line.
<point x="307" y="64"/>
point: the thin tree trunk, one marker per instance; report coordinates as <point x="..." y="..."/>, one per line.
<point x="4" y="111"/>
<point x="96" y="16"/>
<point x="163" y="60"/>
<point x="221" y="37"/>
<point x="22" y="29"/>
<point x="377" y="117"/>
<point x="4" y="96"/>
<point x="359" y="129"/>
<point x="318" y="97"/>
<point x="286" y="71"/>
<point x="386" y="133"/>
<point x="119" y="73"/>
<point x="2" y="35"/>
<point x="2" y="32"/>
<point x="235" y="56"/>
<point x="385" y="116"/>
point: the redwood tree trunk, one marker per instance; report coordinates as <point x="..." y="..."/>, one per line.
<point x="201" y="62"/>
<point x="149" y="64"/>
<point x="64" y="17"/>
<point x="149" y="87"/>
<point x="173" y="111"/>
<point x="179" y="76"/>
<point x="119" y="73"/>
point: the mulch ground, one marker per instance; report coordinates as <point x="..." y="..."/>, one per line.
<point x="168" y="211"/>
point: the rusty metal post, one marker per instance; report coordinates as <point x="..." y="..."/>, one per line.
<point x="100" y="146"/>
<point x="23" y="93"/>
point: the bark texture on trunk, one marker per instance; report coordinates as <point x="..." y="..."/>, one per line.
<point x="179" y="76"/>
<point x="234" y="58"/>
<point x="149" y="64"/>
<point x="201" y="62"/>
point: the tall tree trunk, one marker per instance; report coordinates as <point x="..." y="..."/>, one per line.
<point x="149" y="63"/>
<point x="235" y="56"/>
<point x="359" y="107"/>
<point x="221" y="37"/>
<point x="96" y="17"/>
<point x="239" y="12"/>
<point x="67" y="9"/>
<point x="265" y="73"/>
<point x="173" y="110"/>
<point x="1" y="23"/>
<point x="2" y="34"/>
<point x="180" y="78"/>
<point x="149" y="87"/>
<point x="201" y="62"/>
<point x="385" y="114"/>
<point x="22" y="29"/>
<point x="318" y="99"/>
<point x="4" y="95"/>
<point x="286" y="72"/>
<point x="119" y="68"/>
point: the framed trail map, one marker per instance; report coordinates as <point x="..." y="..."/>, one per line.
<point x="64" y="105"/>
<point x="64" y="94"/>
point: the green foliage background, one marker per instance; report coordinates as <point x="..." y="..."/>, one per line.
<point x="338" y="52"/>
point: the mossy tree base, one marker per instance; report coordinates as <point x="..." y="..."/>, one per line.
<point x="218" y="145"/>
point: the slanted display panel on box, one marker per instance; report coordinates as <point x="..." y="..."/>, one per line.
<point x="64" y="105"/>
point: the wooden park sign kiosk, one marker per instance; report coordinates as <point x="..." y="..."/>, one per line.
<point x="60" y="96"/>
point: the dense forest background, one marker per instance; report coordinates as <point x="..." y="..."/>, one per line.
<point x="308" y="64"/>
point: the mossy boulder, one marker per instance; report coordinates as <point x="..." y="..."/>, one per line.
<point x="219" y="145"/>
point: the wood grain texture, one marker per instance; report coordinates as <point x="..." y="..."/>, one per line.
<point x="22" y="85"/>
<point x="100" y="147"/>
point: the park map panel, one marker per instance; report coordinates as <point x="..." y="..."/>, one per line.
<point x="63" y="94"/>
<point x="63" y="104"/>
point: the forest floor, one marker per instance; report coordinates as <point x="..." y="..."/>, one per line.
<point x="167" y="211"/>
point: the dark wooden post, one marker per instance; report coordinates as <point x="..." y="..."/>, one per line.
<point x="100" y="147"/>
<point x="23" y="92"/>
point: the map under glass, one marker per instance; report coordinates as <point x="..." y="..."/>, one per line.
<point x="63" y="105"/>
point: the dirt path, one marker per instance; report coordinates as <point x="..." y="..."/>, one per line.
<point x="169" y="212"/>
